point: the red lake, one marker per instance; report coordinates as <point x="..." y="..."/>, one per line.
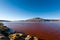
<point x="43" y="30"/>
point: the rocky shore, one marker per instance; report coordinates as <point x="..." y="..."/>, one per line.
<point x="6" y="34"/>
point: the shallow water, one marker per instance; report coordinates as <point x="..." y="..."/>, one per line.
<point x="43" y="30"/>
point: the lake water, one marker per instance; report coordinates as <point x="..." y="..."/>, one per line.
<point x="43" y="30"/>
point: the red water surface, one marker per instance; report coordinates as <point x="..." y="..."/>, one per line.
<point x="43" y="30"/>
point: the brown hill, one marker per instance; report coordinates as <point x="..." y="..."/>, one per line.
<point x="35" y="20"/>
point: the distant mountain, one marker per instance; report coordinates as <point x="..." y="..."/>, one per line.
<point x="37" y="19"/>
<point x="4" y="21"/>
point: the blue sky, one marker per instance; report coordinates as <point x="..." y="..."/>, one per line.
<point x="25" y="9"/>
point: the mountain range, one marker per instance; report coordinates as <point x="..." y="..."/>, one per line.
<point x="37" y="19"/>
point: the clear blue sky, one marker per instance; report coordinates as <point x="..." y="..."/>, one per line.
<point x="25" y="9"/>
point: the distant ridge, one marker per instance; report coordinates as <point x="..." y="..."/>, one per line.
<point x="37" y="19"/>
<point x="4" y="21"/>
